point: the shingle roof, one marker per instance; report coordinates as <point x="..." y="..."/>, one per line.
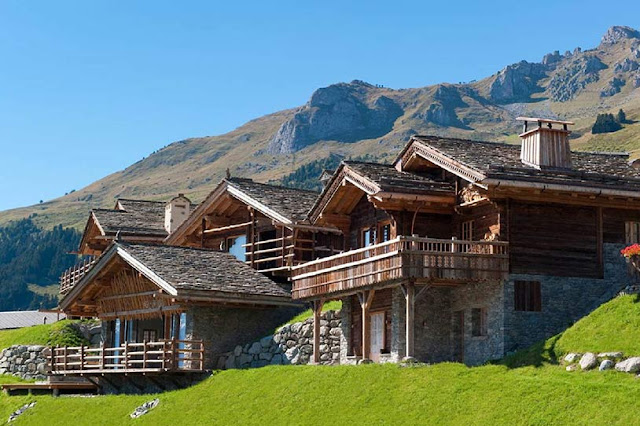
<point x="139" y="218"/>
<point x="200" y="269"/>
<point x="389" y="179"/>
<point x="19" y="319"/>
<point x="291" y="203"/>
<point x="502" y="161"/>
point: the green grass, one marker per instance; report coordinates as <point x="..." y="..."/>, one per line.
<point x="36" y="335"/>
<point x="333" y="305"/>
<point x="375" y="394"/>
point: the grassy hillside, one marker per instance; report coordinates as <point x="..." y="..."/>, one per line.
<point x="524" y="389"/>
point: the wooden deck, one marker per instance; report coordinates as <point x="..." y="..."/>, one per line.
<point x="130" y="358"/>
<point x="424" y="260"/>
<point x="55" y="387"/>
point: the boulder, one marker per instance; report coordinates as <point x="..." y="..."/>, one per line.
<point x="230" y="363"/>
<point x="572" y="367"/>
<point x="265" y="356"/>
<point x="237" y="351"/>
<point x="610" y="355"/>
<point x="630" y="365"/>
<point x="607" y="364"/>
<point x="255" y="348"/>
<point x="588" y="361"/>
<point x="276" y="360"/>
<point x="572" y="357"/>
<point x="266" y="341"/>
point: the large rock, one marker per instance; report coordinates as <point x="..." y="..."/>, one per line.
<point x="588" y="361"/>
<point x="618" y="33"/>
<point x="610" y="355"/>
<point x="630" y="365"/>
<point x="574" y="75"/>
<point x="607" y="364"/>
<point x="517" y="82"/>
<point x="341" y="112"/>
<point x="572" y="357"/>
<point x="255" y="348"/>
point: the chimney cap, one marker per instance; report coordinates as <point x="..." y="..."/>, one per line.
<point x="545" y="120"/>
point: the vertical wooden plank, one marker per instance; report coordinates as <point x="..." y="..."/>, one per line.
<point x="410" y="318"/>
<point x="144" y="354"/>
<point x="253" y="236"/>
<point x="599" y="242"/>
<point x="126" y="354"/>
<point x="81" y="357"/>
<point x="317" y="312"/>
<point x="102" y="355"/>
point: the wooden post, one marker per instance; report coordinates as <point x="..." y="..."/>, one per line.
<point x="81" y="356"/>
<point x="102" y="355"/>
<point x="144" y="354"/>
<point x="284" y="245"/>
<point x="599" y="242"/>
<point x="174" y="354"/>
<point x="253" y="236"/>
<point x="126" y="354"/>
<point x="317" y="312"/>
<point x="65" y="358"/>
<point x="409" y="295"/>
<point x="365" y="298"/>
<point x="204" y="227"/>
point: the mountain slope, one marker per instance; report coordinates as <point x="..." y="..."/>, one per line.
<point x="357" y="119"/>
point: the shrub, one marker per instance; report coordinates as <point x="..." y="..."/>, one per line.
<point x="605" y="123"/>
<point x="65" y="333"/>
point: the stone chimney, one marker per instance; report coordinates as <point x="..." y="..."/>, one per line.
<point x="545" y="146"/>
<point x="176" y="212"/>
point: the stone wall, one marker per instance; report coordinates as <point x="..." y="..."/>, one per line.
<point x="564" y="301"/>
<point x="26" y="362"/>
<point x="222" y="328"/>
<point x="291" y="344"/>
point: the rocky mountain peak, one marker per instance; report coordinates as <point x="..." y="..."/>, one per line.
<point x="617" y="33"/>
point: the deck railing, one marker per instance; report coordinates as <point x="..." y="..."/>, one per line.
<point x="422" y="259"/>
<point x="146" y="357"/>
<point x="71" y="276"/>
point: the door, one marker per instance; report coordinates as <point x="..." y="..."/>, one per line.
<point x="377" y="336"/>
<point x="458" y="336"/>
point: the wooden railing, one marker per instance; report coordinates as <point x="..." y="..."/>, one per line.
<point x="71" y="276"/>
<point x="145" y="357"/>
<point x="423" y="259"/>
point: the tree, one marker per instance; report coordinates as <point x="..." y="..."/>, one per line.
<point x="621" y="117"/>
<point x="605" y="123"/>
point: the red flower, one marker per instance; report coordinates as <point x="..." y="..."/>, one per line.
<point x="632" y="250"/>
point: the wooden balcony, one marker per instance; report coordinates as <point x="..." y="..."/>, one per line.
<point x="425" y="260"/>
<point x="71" y="276"/>
<point x="147" y="357"/>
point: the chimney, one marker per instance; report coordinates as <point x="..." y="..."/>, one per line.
<point x="176" y="212"/>
<point x="545" y="146"/>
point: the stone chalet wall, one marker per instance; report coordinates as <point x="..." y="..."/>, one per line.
<point x="291" y="344"/>
<point x="26" y="362"/>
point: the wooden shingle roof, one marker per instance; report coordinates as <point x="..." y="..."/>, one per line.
<point x="389" y="179"/>
<point x="139" y="218"/>
<point x="502" y="161"/>
<point x="291" y="203"/>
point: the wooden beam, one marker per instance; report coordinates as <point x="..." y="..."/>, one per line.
<point x="409" y="294"/>
<point x="365" y="298"/>
<point x="317" y="312"/>
<point x="227" y="228"/>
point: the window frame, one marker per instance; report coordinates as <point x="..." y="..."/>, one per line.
<point x="479" y="326"/>
<point x="527" y="296"/>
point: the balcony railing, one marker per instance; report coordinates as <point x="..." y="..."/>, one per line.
<point x="146" y="357"/>
<point x="426" y="260"/>
<point x="71" y="276"/>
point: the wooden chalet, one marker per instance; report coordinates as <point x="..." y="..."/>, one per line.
<point x="468" y="250"/>
<point x="167" y="309"/>
<point x="265" y="226"/>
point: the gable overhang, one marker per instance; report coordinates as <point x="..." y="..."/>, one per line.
<point x="111" y="254"/>
<point x="92" y="221"/>
<point x="417" y="148"/>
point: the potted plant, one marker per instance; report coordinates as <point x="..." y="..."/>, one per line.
<point x="632" y="254"/>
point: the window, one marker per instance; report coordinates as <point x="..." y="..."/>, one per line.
<point x="632" y="232"/>
<point x="385" y="232"/>
<point x="368" y="237"/>
<point x="149" y="335"/>
<point x="478" y="322"/>
<point x="235" y="246"/>
<point x="467" y="230"/>
<point x="528" y="296"/>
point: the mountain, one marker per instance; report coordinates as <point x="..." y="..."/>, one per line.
<point x="357" y="119"/>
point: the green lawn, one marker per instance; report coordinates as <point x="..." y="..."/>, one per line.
<point x="527" y="388"/>
<point x="333" y="305"/>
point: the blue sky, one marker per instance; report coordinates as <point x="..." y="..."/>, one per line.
<point x="89" y="87"/>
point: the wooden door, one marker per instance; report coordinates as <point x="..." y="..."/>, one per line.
<point x="458" y="336"/>
<point x="377" y="335"/>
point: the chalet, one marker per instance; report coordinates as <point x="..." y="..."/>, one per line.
<point x="265" y="226"/>
<point x="468" y="250"/>
<point x="458" y="251"/>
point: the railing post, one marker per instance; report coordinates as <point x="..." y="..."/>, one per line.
<point x="201" y="354"/>
<point x="102" y="356"/>
<point x="164" y="355"/>
<point x="65" y="358"/>
<point x="174" y="353"/>
<point x="81" y="356"/>
<point x="144" y="354"/>
<point x="126" y="354"/>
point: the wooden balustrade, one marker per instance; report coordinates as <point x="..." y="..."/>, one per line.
<point x="146" y="357"/>
<point x="71" y="276"/>
<point x="425" y="260"/>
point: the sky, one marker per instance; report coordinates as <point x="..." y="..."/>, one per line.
<point x="89" y="87"/>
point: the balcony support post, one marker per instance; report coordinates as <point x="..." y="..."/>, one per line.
<point x="365" y="298"/>
<point x="408" y="289"/>
<point x="317" y="312"/>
